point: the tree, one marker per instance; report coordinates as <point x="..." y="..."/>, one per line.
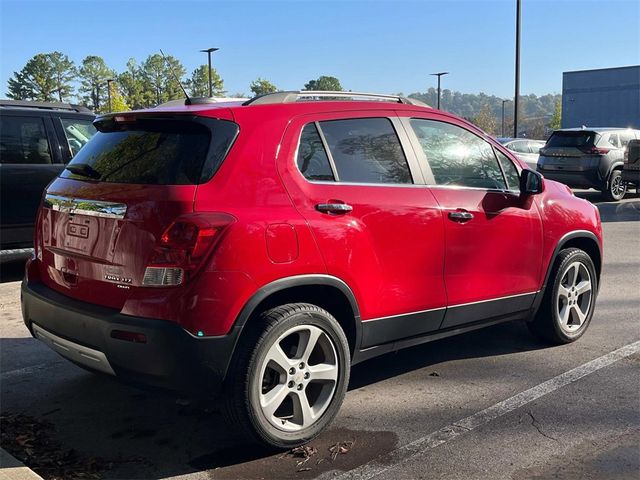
<point x="94" y="74"/>
<point x="118" y="104"/>
<point x="199" y="82"/>
<point x="158" y="77"/>
<point x="131" y="85"/>
<point x="324" y="83"/>
<point x="485" y="120"/>
<point x="45" y="77"/>
<point x="556" y="119"/>
<point x="262" y="87"/>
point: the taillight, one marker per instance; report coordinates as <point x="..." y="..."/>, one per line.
<point x="183" y="248"/>
<point x="593" y="150"/>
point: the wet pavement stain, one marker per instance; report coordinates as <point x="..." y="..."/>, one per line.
<point x="252" y="463"/>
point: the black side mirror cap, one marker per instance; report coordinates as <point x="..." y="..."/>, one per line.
<point x="531" y="182"/>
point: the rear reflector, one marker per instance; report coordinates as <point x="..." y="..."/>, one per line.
<point x="135" y="337"/>
<point x="162" y="276"/>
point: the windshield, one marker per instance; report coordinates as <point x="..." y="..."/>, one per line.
<point x="160" y="152"/>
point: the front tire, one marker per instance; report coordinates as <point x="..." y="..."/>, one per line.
<point x="289" y="376"/>
<point x="568" y="303"/>
<point x="615" y="189"/>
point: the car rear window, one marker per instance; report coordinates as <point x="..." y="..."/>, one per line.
<point x="154" y="151"/>
<point x="571" y="139"/>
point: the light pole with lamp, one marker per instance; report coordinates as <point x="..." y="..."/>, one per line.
<point x="209" y="51"/>
<point x="439" y="74"/>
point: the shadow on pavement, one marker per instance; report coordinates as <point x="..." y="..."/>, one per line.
<point x="141" y="434"/>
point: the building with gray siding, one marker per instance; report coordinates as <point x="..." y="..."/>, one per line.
<point x="607" y="97"/>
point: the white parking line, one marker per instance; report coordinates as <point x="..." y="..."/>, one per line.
<point x="23" y="371"/>
<point x="393" y="459"/>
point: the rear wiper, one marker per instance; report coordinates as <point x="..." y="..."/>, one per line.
<point x="83" y="169"/>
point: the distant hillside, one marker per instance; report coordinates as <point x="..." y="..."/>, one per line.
<point x="535" y="112"/>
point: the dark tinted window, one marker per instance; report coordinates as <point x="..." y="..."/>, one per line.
<point x="312" y="159"/>
<point x="510" y="171"/>
<point x="23" y="140"/>
<point x="366" y="150"/>
<point x="161" y="152"/>
<point x="571" y="139"/>
<point x="457" y="156"/>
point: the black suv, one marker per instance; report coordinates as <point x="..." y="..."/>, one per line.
<point x="37" y="139"/>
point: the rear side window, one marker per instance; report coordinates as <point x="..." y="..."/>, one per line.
<point x="457" y="156"/>
<point x="23" y="140"/>
<point x="571" y="139"/>
<point x="366" y="150"/>
<point x="613" y="140"/>
<point x="312" y="160"/>
<point x="154" y="151"/>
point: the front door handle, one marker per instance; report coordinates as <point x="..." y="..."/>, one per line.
<point x="335" y="208"/>
<point x="461" y="216"/>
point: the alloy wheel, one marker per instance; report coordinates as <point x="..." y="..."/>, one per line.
<point x="575" y="293"/>
<point x="299" y="375"/>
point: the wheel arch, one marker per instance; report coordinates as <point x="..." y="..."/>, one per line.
<point x="585" y="241"/>
<point x="325" y="291"/>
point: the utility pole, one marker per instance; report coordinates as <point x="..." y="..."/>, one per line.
<point x="439" y="74"/>
<point x="516" y="99"/>
<point x="209" y="51"/>
<point x="109" y="81"/>
<point x="503" y="102"/>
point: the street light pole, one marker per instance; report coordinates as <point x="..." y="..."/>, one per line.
<point x="516" y="99"/>
<point x="209" y="51"/>
<point x="439" y="74"/>
<point x="109" y="92"/>
<point x="503" y="102"/>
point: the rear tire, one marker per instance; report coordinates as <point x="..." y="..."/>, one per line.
<point x="569" y="299"/>
<point x="615" y="189"/>
<point x="289" y="376"/>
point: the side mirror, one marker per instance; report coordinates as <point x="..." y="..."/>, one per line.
<point x="530" y="182"/>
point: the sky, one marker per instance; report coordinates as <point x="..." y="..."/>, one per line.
<point x="372" y="46"/>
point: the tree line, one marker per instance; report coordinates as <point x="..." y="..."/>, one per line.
<point x="538" y="116"/>
<point x="55" y="77"/>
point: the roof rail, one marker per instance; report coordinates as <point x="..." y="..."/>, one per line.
<point x="310" y="95"/>
<point x="43" y="105"/>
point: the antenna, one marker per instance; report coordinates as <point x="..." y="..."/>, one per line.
<point x="175" y="77"/>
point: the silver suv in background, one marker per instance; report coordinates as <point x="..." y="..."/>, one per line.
<point x="588" y="158"/>
<point x="525" y="149"/>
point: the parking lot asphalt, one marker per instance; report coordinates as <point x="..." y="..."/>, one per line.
<point x="490" y="404"/>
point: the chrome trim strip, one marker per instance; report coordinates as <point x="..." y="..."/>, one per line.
<point x="406" y="314"/>
<point x="93" y="208"/>
<point x="494" y="299"/>
<point x="89" y="357"/>
<point x="452" y="306"/>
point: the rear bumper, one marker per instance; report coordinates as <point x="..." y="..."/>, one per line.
<point x="171" y="358"/>
<point x="590" y="178"/>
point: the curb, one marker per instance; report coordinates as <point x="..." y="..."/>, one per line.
<point x="12" y="469"/>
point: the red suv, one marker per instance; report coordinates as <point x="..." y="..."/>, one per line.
<point x="263" y="248"/>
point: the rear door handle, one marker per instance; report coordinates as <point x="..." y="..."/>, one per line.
<point x="335" y="208"/>
<point x="461" y="216"/>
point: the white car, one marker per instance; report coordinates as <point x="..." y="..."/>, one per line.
<point x="525" y="149"/>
